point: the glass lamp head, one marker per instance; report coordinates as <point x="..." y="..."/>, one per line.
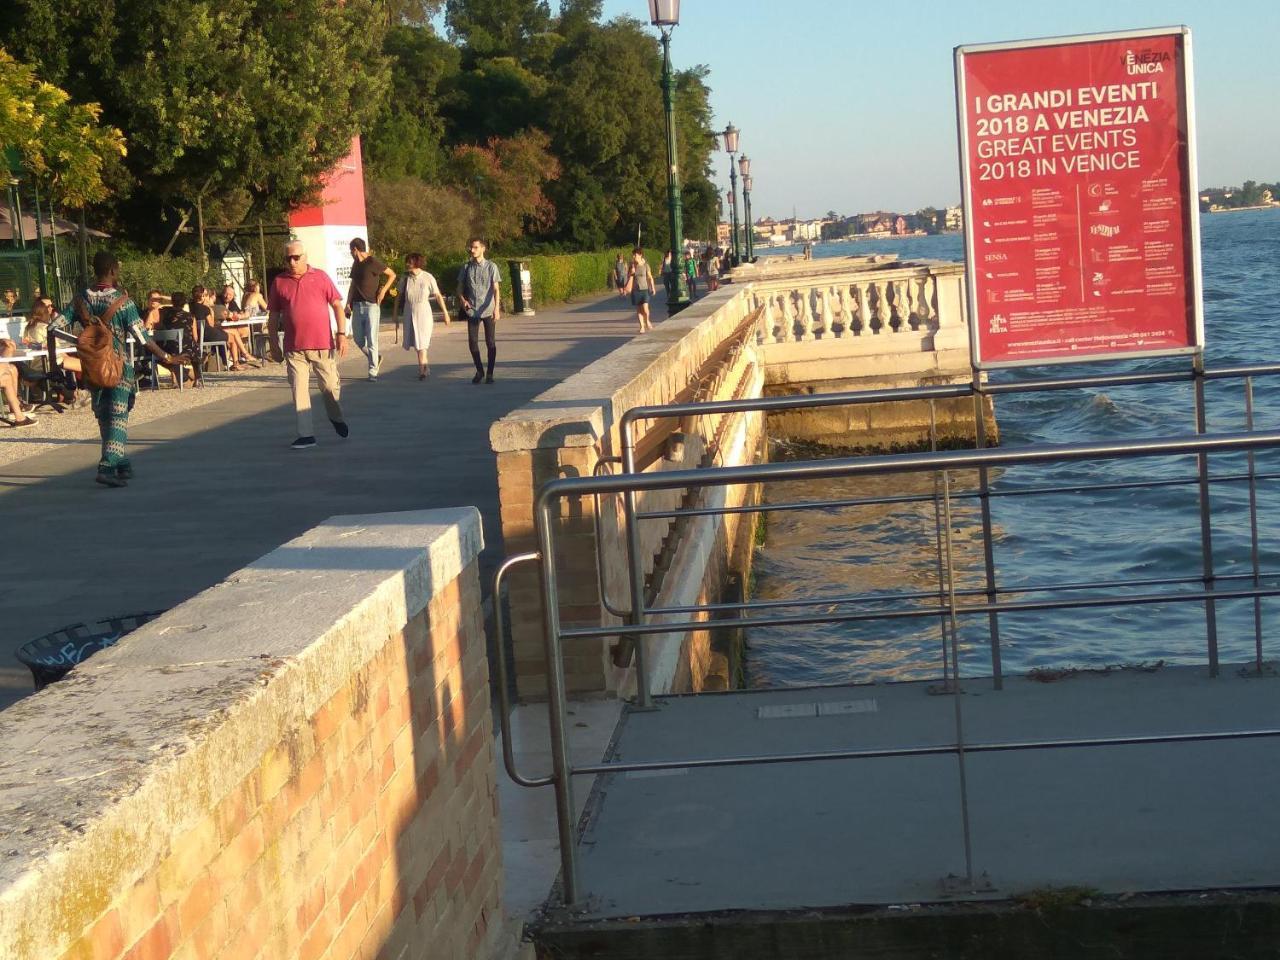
<point x="744" y="165"/>
<point x="664" y="13"/>
<point x="731" y="139"/>
<point x="746" y="182"/>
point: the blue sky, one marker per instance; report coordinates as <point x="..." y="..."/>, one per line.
<point x="849" y="104"/>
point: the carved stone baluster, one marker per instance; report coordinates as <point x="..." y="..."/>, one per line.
<point x="864" y="310"/>
<point x="788" y="317"/>
<point x="924" y="302"/>
<point x="842" y="305"/>
<point x="884" y="316"/>
<point x="901" y="310"/>
<point x="806" y="315"/>
<point x="828" y="313"/>
<point x="764" y="330"/>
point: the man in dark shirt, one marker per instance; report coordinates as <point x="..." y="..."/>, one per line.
<point x="370" y="281"/>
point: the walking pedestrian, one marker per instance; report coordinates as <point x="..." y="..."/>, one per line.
<point x="416" y="289"/>
<point x="481" y="304"/>
<point x="640" y="286"/>
<point x="106" y="304"/>
<point x="301" y="300"/>
<point x="669" y="276"/>
<point x="691" y="272"/>
<point x="370" y="281"/>
<point x="619" y="278"/>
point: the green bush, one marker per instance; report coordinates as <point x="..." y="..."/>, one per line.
<point x="555" y="277"/>
<point x="141" y="272"/>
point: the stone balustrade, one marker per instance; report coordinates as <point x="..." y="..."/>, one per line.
<point x="864" y="323"/>
<point x="920" y="303"/>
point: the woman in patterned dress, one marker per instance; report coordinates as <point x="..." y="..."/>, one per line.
<point x="416" y="288"/>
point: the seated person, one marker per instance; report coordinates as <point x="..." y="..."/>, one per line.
<point x="230" y="310"/>
<point x="202" y="309"/>
<point x="9" y="387"/>
<point x="175" y="316"/>
<point x="151" y="313"/>
<point x="254" y="302"/>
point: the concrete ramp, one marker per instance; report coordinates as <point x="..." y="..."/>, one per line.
<point x="1112" y="820"/>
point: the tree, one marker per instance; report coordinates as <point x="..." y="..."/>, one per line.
<point x="504" y="180"/>
<point x="218" y="96"/>
<point x="59" y="142"/>
<point x="407" y="215"/>
<point x="497" y="28"/>
<point x="409" y="135"/>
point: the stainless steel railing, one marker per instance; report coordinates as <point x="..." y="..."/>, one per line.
<point x="952" y="602"/>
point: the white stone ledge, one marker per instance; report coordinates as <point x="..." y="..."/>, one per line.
<point x="581" y="409"/>
<point x="163" y="724"/>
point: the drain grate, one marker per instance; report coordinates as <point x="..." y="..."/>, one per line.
<point x="838" y="708"/>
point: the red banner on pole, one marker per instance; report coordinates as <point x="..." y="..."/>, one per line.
<point x="1078" y="171"/>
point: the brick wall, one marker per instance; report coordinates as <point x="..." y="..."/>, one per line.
<point x="322" y="785"/>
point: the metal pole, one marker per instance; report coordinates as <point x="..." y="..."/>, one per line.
<point x="262" y="269"/>
<point x="204" y="258"/>
<point x="733" y="206"/>
<point x="83" y="279"/>
<point x="747" y="237"/>
<point x="678" y="292"/>
<point x="635" y="567"/>
<point x="1253" y="529"/>
<point x="956" y="691"/>
<point x="44" y="269"/>
<point x="562" y="772"/>
<point x="944" y="575"/>
<point x="988" y="545"/>
<point x="1206" y="520"/>
<point x="59" y="298"/>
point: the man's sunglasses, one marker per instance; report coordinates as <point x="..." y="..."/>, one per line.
<point x="294" y="256"/>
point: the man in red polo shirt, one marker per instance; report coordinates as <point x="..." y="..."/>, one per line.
<point x="301" y="300"/>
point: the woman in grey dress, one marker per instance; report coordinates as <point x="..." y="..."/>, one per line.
<point x="416" y="289"/>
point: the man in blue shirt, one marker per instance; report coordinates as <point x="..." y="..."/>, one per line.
<point x="481" y="304"/>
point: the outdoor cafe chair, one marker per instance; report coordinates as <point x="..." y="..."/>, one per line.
<point x="208" y="348"/>
<point x="167" y="337"/>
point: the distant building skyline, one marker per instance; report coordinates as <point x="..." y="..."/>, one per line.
<point x="856" y="111"/>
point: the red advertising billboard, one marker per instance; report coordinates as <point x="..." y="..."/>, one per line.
<point x="1077" y="161"/>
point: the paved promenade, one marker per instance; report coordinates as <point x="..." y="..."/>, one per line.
<point x="217" y="486"/>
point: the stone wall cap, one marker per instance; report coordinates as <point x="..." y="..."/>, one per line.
<point x="579" y="410"/>
<point x="99" y="735"/>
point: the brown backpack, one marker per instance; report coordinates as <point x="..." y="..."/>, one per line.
<point x="101" y="363"/>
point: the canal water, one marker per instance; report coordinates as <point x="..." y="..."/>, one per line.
<point x="1097" y="537"/>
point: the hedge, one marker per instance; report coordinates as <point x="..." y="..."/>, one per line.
<point x="140" y="273"/>
<point x="555" y="277"/>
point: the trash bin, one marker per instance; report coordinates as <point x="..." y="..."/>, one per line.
<point x="521" y="287"/>
<point x="52" y="656"/>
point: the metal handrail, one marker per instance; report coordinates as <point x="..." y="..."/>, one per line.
<point x="952" y="460"/>
<point x="631" y="483"/>
<point x="1008" y="746"/>
<point x="838" y="601"/>
<point x="504" y="696"/>
<point x="790" y="505"/>
<point x="601" y="588"/>
<point x="1020" y="606"/>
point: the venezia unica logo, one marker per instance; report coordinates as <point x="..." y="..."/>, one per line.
<point x="1145" y="61"/>
<point x="1104" y="230"/>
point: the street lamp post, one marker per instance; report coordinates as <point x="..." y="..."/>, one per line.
<point x="744" y="165"/>
<point x="665" y="15"/>
<point x="730" y="134"/>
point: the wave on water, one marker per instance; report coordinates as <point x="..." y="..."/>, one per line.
<point x="1104" y="537"/>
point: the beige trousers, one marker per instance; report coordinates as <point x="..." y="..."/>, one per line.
<point x="300" y="363"/>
